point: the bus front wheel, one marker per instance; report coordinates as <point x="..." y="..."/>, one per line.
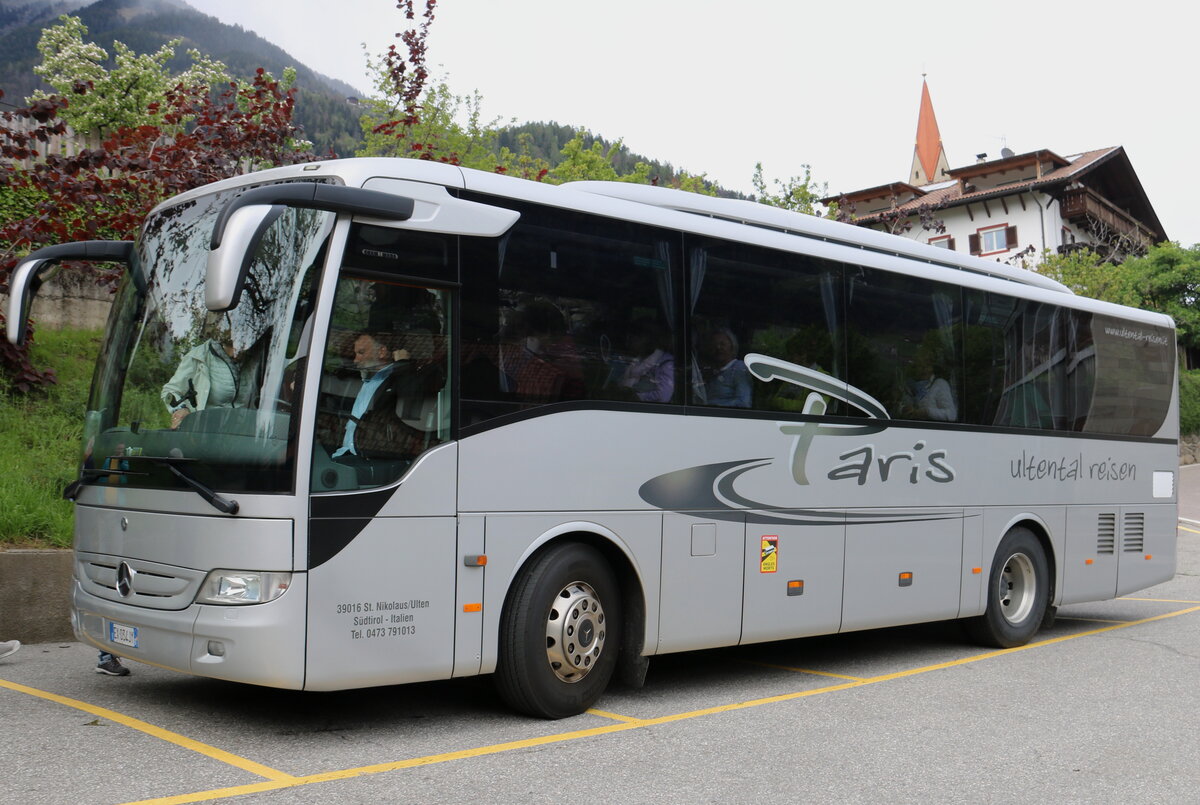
<point x="560" y="633"/>
<point x="1017" y="594"/>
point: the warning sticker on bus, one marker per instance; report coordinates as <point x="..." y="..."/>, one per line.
<point x="768" y="560"/>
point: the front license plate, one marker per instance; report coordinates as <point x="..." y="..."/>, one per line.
<point x="123" y="635"/>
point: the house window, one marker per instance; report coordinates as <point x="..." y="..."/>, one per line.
<point x="993" y="240"/>
<point x="942" y="242"/>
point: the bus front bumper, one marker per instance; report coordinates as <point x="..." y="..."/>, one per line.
<point x="259" y="644"/>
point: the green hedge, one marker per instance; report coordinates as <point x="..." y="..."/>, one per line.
<point x="1189" y="402"/>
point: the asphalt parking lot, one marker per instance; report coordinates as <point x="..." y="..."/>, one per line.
<point x="1100" y="707"/>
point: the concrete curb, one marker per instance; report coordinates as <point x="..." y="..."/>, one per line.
<point x="35" y="595"/>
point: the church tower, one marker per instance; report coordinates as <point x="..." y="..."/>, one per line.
<point x="929" y="157"/>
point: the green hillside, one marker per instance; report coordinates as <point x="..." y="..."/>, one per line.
<point x="321" y="107"/>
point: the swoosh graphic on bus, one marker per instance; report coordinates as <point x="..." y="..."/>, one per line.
<point x="709" y="489"/>
<point x="766" y="369"/>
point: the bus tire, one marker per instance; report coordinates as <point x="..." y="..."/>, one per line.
<point x="1018" y="591"/>
<point x="560" y="633"/>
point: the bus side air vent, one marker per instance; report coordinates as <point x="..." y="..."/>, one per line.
<point x="1133" y="535"/>
<point x="1106" y="533"/>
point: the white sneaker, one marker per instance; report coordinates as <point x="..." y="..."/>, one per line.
<point x="9" y="648"/>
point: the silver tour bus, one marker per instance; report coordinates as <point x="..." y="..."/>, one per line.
<point x="368" y="422"/>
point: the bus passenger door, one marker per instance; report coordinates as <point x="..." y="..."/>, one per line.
<point x="901" y="567"/>
<point x="793" y="581"/>
<point x="702" y="560"/>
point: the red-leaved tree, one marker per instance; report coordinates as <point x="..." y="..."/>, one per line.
<point x="106" y="192"/>
<point x="407" y="76"/>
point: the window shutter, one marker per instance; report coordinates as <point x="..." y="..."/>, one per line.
<point x="1011" y="237"/>
<point x="950" y="244"/>
<point x="973" y="243"/>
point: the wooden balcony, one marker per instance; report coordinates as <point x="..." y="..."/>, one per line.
<point x="1081" y="206"/>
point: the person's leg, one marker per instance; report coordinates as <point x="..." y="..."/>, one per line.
<point x="110" y="665"/>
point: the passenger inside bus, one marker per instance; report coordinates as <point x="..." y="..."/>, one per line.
<point x="651" y="376"/>
<point x="217" y="373"/>
<point x="930" y="394"/>
<point x="727" y="380"/>
<point x="376" y="422"/>
<point x="538" y="358"/>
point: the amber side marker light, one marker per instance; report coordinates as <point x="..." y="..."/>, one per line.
<point x="472" y="607"/>
<point x="906" y="579"/>
<point x="976" y="570"/>
<point x="1088" y="561"/>
<point x="475" y="560"/>
<point x="1149" y="556"/>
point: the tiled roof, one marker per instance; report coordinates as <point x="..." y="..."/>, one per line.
<point x="942" y="195"/>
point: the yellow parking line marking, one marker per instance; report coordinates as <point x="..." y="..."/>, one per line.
<point x="1190" y="530"/>
<point x="804" y="670"/>
<point x="1159" y="600"/>
<point x="495" y="749"/>
<point x="1039" y="644"/>
<point x="614" y="716"/>
<point x="156" y="732"/>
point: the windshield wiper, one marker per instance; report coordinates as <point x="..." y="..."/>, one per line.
<point x="221" y="504"/>
<point x="218" y="502"/>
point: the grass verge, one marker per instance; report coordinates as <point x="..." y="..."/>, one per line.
<point x="40" y="440"/>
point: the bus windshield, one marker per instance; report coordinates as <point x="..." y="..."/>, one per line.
<point x="185" y="397"/>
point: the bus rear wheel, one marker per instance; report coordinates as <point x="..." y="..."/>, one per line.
<point x="1017" y="594"/>
<point x="560" y="633"/>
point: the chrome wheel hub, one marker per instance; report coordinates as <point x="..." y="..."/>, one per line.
<point x="575" y="631"/>
<point x="1017" y="588"/>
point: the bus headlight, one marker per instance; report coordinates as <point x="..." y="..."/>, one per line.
<point x="242" y="587"/>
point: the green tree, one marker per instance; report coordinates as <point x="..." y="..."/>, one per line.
<point x="128" y="95"/>
<point x="446" y="127"/>
<point x="1167" y="279"/>
<point x="1088" y="274"/>
<point x="578" y="162"/>
<point x="799" y="193"/>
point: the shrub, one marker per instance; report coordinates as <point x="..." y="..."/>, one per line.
<point x="1189" y="402"/>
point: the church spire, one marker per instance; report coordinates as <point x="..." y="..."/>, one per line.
<point x="929" y="157"/>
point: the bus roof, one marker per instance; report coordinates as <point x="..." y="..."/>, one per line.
<point x="753" y="213"/>
<point x="664" y="207"/>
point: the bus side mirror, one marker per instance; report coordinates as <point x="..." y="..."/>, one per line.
<point x="240" y="227"/>
<point x="40" y="265"/>
<point x="229" y="262"/>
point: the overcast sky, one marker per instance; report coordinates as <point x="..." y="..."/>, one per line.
<point x="714" y="87"/>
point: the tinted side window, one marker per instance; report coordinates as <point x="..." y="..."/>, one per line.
<point x="568" y="306"/>
<point x="1135" y="376"/>
<point x="1036" y="365"/>
<point x="902" y="342"/>
<point x="745" y="300"/>
<point x="1028" y="364"/>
